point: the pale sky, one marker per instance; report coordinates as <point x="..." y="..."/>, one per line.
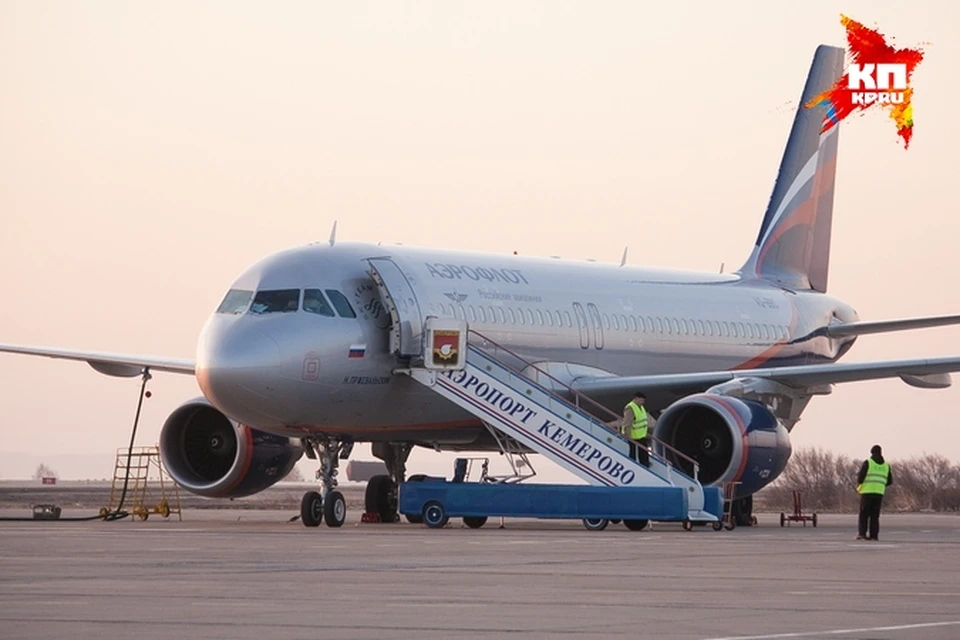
<point x="150" y="152"/>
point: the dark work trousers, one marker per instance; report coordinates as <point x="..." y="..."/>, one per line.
<point x="640" y="453"/>
<point x="870" y="504"/>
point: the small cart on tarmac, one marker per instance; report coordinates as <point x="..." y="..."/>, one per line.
<point x="798" y="515"/>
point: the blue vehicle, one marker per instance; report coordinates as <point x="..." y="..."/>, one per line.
<point x="436" y="500"/>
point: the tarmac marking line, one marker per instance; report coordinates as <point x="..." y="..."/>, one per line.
<point x="840" y="632"/>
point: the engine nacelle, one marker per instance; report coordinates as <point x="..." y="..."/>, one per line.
<point x="212" y="456"/>
<point x="732" y="440"/>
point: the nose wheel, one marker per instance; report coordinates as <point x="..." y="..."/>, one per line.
<point x="328" y="505"/>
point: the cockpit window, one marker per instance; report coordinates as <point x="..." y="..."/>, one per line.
<point x="236" y="301"/>
<point x="315" y="302"/>
<point x="341" y="304"/>
<point x="277" y="301"/>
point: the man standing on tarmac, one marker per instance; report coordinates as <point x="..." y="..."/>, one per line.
<point x="635" y="425"/>
<point x="872" y="482"/>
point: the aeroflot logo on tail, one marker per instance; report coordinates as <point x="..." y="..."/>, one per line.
<point x="878" y="75"/>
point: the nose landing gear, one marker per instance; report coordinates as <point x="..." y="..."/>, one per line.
<point x="328" y="505"/>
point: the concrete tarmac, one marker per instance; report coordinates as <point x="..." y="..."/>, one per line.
<point x="253" y="574"/>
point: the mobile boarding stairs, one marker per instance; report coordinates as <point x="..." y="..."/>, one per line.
<point x="514" y="403"/>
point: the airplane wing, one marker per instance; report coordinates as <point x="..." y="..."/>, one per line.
<point x="925" y="373"/>
<point x="111" y="364"/>
<point x="884" y="326"/>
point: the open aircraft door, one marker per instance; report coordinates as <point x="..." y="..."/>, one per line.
<point x="406" y="333"/>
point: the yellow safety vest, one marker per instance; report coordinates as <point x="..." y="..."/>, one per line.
<point x="638" y="430"/>
<point x="876" y="480"/>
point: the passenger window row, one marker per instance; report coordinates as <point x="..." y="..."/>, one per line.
<point x="237" y="301"/>
<point x="615" y="322"/>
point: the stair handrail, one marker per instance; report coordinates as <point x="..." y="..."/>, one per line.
<point x="578" y="395"/>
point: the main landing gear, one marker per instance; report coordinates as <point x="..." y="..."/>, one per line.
<point x="328" y="506"/>
<point x="381" y="499"/>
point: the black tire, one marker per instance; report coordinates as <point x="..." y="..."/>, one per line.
<point x="636" y="525"/>
<point x="474" y="522"/>
<point x="783" y="519"/>
<point x="311" y="509"/>
<point x="743" y="511"/>
<point x="718" y="525"/>
<point x="372" y="496"/>
<point x="730" y="524"/>
<point x="335" y="509"/>
<point x="687" y="525"/>
<point x="595" y="524"/>
<point x="434" y="515"/>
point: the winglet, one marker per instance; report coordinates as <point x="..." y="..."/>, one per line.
<point x="623" y="260"/>
<point x="333" y="234"/>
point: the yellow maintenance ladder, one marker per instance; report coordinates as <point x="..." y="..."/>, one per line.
<point x="146" y="475"/>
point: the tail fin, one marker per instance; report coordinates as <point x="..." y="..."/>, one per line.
<point x="793" y="246"/>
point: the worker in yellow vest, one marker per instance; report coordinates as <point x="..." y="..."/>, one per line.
<point x="872" y="482"/>
<point x="635" y="426"/>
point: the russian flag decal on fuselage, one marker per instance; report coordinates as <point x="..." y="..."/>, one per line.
<point x="357" y="350"/>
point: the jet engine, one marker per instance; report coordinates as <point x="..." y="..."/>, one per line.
<point x="212" y="456"/>
<point x="731" y="439"/>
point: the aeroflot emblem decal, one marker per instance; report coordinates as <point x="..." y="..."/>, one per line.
<point x="445" y="346"/>
<point x="561" y="442"/>
<point x="878" y="75"/>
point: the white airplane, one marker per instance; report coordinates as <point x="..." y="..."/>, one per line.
<point x="309" y="349"/>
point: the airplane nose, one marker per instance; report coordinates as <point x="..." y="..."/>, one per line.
<point x="238" y="369"/>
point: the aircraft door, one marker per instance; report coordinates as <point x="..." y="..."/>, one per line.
<point x="582" y="325"/>
<point x="406" y="332"/>
<point x="597" y="326"/>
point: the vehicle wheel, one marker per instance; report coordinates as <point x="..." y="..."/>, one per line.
<point x="636" y="525"/>
<point x="595" y="524"/>
<point x="164" y="509"/>
<point x="144" y="514"/>
<point x="474" y="522"/>
<point x="730" y="524"/>
<point x="814" y="519"/>
<point x="718" y="525"/>
<point x="783" y="519"/>
<point x="311" y="509"/>
<point x="335" y="509"/>
<point x="434" y="515"/>
<point x="687" y="525"/>
<point x="56" y="513"/>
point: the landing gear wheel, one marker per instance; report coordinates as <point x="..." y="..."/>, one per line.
<point x="687" y="525"/>
<point x="311" y="509"/>
<point x="783" y="519"/>
<point x="718" y="525"/>
<point x="743" y="511"/>
<point x="381" y="498"/>
<point x="335" y="509"/>
<point x="814" y="519"/>
<point x="415" y="518"/>
<point x="474" y="522"/>
<point x="636" y="525"/>
<point x="434" y="515"/>
<point x="595" y="524"/>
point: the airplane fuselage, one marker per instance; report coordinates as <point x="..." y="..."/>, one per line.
<point x="296" y="372"/>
